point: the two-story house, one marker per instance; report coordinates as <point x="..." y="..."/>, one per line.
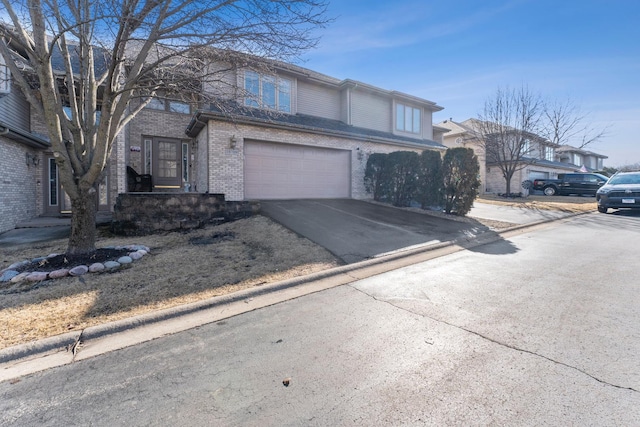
<point x="296" y="133"/>
<point x="543" y="159"/>
<point x="285" y="133"/>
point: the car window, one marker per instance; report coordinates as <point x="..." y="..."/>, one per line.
<point x="625" y="179"/>
<point x="574" y="178"/>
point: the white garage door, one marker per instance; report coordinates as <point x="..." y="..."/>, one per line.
<point x="283" y="171"/>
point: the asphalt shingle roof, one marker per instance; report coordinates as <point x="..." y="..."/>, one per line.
<point x="302" y="122"/>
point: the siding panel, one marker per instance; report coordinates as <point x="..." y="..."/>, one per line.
<point x="14" y="110"/>
<point x="371" y="111"/>
<point x="318" y="101"/>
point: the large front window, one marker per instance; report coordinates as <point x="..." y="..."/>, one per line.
<point x="267" y="92"/>
<point x="407" y="118"/>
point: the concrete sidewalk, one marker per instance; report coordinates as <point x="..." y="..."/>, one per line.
<point x="44" y="229"/>
<point x="514" y="214"/>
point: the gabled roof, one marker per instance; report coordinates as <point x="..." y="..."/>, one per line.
<point x="546" y="163"/>
<point x="455" y="128"/>
<point x="304" y="123"/>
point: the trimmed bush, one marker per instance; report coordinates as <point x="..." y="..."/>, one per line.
<point x="430" y="189"/>
<point x="460" y="171"/>
<point x="400" y="176"/>
<point x="373" y="175"/>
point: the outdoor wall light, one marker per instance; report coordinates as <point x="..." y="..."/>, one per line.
<point x="31" y="159"/>
<point x="232" y="142"/>
<point x="360" y="155"/>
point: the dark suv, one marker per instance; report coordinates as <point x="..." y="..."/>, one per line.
<point x="622" y="190"/>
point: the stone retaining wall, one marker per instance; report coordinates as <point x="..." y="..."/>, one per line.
<point x="138" y="214"/>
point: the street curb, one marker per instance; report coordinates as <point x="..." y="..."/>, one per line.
<point x="395" y="260"/>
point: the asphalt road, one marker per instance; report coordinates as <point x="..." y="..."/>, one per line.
<point x="540" y="329"/>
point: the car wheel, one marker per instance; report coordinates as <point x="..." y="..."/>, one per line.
<point x="549" y="191"/>
<point x="602" y="209"/>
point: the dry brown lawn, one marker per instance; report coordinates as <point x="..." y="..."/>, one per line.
<point x="181" y="268"/>
<point x="561" y="203"/>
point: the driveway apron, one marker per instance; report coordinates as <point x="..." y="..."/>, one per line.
<point x="354" y="230"/>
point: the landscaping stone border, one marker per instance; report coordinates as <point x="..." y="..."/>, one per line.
<point x="10" y="274"/>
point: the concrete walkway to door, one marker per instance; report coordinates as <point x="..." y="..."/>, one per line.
<point x="355" y="230"/>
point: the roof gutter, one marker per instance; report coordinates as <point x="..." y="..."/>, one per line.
<point x="23" y="137"/>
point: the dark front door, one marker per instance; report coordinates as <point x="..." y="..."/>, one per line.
<point x="167" y="164"/>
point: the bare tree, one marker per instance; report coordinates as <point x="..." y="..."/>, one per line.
<point x="507" y="130"/>
<point x="80" y="63"/>
<point x="564" y="123"/>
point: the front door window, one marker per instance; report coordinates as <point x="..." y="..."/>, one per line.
<point x="167" y="164"/>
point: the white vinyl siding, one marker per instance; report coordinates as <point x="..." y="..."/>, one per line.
<point x="370" y="111"/>
<point x="319" y="101"/>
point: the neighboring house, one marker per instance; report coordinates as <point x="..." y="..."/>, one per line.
<point x="580" y="158"/>
<point x="289" y="133"/>
<point x="545" y="159"/>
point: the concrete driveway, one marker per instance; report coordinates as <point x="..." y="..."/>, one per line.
<point x="354" y="230"/>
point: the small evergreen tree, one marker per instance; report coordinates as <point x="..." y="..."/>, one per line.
<point x="460" y="171"/>
<point x="373" y="183"/>
<point x="430" y="190"/>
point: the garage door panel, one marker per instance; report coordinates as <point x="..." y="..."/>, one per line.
<point x="281" y="171"/>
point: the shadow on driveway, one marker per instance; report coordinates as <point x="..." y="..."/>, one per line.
<point x="355" y="230"/>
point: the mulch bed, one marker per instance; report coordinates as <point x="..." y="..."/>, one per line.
<point x="69" y="261"/>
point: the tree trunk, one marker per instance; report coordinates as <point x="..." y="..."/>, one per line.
<point x="83" y="224"/>
<point x="507" y="178"/>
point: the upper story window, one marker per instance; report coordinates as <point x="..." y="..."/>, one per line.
<point x="526" y="147"/>
<point x="5" y="77"/>
<point x="267" y="92"/>
<point x="577" y="159"/>
<point x="169" y="105"/>
<point x="549" y="153"/>
<point x="407" y="118"/>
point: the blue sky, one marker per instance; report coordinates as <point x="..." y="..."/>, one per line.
<point x="458" y="52"/>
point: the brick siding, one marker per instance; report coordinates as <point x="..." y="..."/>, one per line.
<point x="19" y="185"/>
<point x="226" y="165"/>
